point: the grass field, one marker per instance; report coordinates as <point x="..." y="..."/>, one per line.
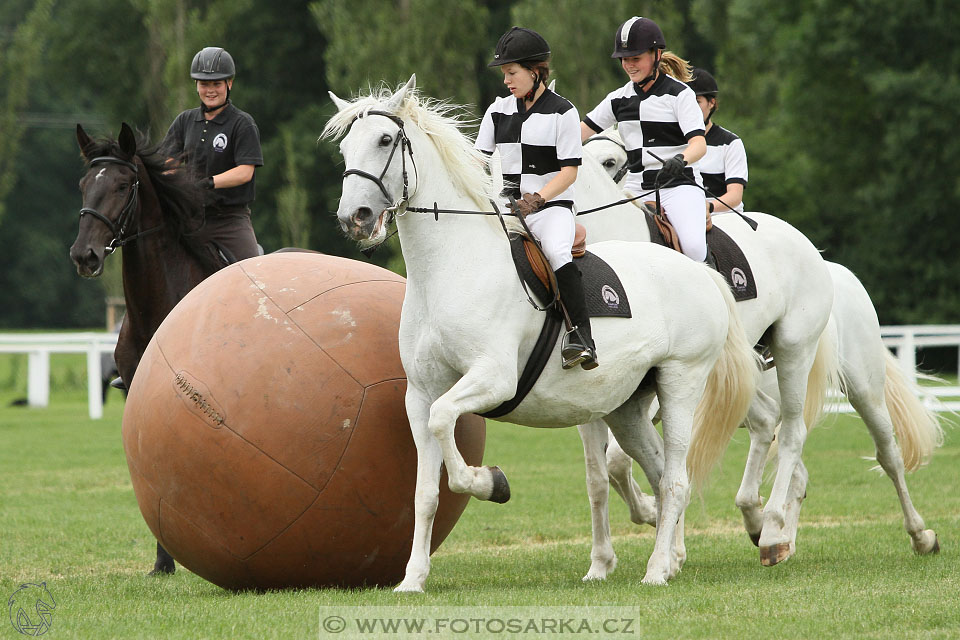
<point x="68" y="517"/>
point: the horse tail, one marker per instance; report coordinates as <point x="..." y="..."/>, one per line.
<point x="917" y="427"/>
<point x="729" y="391"/>
<point x="824" y="375"/>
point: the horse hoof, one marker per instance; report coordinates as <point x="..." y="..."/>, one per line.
<point x="163" y="570"/>
<point x="928" y="542"/>
<point x="754" y="538"/>
<point x="501" y="488"/>
<point x="775" y="554"/>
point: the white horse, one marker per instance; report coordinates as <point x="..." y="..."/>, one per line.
<point x="870" y="377"/>
<point x="790" y="313"/>
<point x="466" y="328"/>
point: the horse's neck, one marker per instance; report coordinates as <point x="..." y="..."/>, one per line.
<point x="157" y="269"/>
<point x="455" y="252"/>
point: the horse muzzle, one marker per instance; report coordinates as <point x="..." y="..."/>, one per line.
<point x="363" y="225"/>
<point x="89" y="261"/>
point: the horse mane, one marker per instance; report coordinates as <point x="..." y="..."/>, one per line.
<point x="180" y="199"/>
<point x="443" y="123"/>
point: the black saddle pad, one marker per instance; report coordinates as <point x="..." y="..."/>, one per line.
<point x="602" y="289"/>
<point x="731" y="263"/>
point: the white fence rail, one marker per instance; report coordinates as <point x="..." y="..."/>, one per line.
<point x="39" y="346"/>
<point x="903" y="340"/>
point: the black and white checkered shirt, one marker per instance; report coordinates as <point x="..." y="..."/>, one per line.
<point x="533" y="144"/>
<point x="662" y="120"/>
<point x="725" y="161"/>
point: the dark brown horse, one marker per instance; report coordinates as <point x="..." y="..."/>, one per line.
<point x="131" y="199"/>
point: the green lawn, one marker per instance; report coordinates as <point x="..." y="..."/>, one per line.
<point x="68" y="517"/>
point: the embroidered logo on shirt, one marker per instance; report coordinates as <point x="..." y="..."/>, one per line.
<point x="220" y="142"/>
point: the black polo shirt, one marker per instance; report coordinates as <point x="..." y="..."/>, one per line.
<point x="214" y="146"/>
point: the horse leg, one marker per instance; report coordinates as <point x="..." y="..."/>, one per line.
<point x="678" y="399"/>
<point x="761" y="424"/>
<point x="164" y="564"/>
<point x="869" y="401"/>
<point x="795" y="497"/>
<point x="478" y="390"/>
<point x="792" y="370"/>
<point x="603" y="560"/>
<point x="427" y="495"/>
<point x="643" y="508"/>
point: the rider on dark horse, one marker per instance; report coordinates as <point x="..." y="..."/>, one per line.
<point x="221" y="145"/>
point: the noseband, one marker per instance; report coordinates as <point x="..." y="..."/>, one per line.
<point x="403" y="142"/>
<point x="622" y="171"/>
<point x="118" y="228"/>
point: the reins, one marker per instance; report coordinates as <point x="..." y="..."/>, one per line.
<point x="119" y="228"/>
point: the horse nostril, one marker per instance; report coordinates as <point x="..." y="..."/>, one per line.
<point x="362" y="215"/>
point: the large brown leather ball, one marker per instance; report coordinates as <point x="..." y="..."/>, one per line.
<point x="265" y="429"/>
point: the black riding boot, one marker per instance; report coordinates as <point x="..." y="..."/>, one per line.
<point x="578" y="347"/>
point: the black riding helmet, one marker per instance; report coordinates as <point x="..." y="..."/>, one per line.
<point x="212" y="63"/>
<point x="520" y="45"/>
<point x="703" y="84"/>
<point x="637" y="35"/>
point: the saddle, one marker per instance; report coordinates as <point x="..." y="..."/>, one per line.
<point x="723" y="253"/>
<point x="538" y="262"/>
<point x="603" y="293"/>
<point x="666" y="228"/>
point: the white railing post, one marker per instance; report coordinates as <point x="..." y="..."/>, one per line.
<point x="94" y="380"/>
<point x="38" y="378"/>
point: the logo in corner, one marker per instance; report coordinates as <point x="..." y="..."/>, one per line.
<point x="31" y="609"/>
<point x="610" y="296"/>
<point x="738" y="279"/>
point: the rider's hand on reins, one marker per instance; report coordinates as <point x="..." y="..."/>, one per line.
<point x="672" y="168"/>
<point x="529" y="203"/>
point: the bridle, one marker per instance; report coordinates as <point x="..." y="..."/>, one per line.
<point x="622" y="171"/>
<point x="119" y="228"/>
<point x="401" y="140"/>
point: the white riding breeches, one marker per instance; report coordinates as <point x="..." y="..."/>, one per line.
<point x="554" y="227"/>
<point x="686" y="208"/>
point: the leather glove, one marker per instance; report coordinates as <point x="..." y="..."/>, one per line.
<point x="672" y="168"/>
<point x="530" y="203"/>
<point x="205" y="183"/>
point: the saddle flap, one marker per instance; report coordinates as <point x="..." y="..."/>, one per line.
<point x="663" y="224"/>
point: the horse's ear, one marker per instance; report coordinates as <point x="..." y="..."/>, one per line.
<point x="83" y="140"/>
<point x="128" y="142"/>
<point x="552" y="84"/>
<point x="394" y="104"/>
<point x="340" y="104"/>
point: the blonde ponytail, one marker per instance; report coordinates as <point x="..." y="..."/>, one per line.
<point x="675" y="66"/>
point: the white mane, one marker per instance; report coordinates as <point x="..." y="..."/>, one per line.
<point x="442" y="122"/>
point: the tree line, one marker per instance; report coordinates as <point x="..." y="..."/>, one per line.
<point x="845" y="108"/>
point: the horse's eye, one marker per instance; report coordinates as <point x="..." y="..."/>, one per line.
<point x="385" y="140"/>
<point x="608" y="163"/>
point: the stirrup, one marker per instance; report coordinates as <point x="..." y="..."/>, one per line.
<point x="575" y="352"/>
<point x="766" y="359"/>
<point x="118" y="383"/>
